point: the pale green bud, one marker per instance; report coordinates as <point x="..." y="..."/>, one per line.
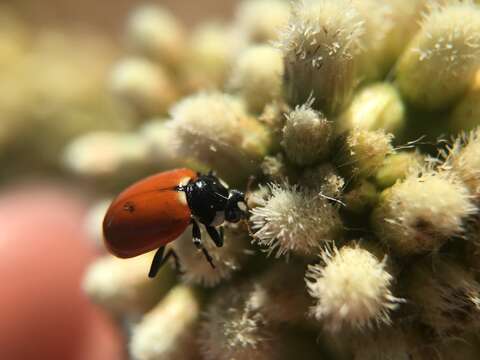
<point x="441" y="60"/>
<point x="375" y="107"/>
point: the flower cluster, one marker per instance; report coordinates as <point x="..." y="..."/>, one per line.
<point x="333" y="108"/>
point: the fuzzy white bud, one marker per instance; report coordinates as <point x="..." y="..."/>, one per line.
<point x="423" y="211"/>
<point x="294" y="220"/>
<point x="352" y="289"/>
<point x="167" y="331"/>
<point x="261" y="20"/>
<point x="447" y="49"/>
<point x="214" y="128"/>
<point x="122" y="286"/>
<point x="143" y="85"/>
<point x="153" y="31"/>
<point x="321" y="46"/>
<point x="227" y="259"/>
<point x="257" y="76"/>
<point x="104" y="153"/>
<point x="234" y="328"/>
<point x="464" y="158"/>
<point x="307" y="135"/>
<point x="365" y="151"/>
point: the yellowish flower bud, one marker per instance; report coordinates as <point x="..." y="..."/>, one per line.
<point x="214" y="128"/>
<point x="321" y="47"/>
<point x="388" y="27"/>
<point x="261" y="20"/>
<point x="352" y="290"/>
<point x="365" y="151"/>
<point x="211" y="51"/>
<point x="466" y="114"/>
<point x="122" y="286"/>
<point x="227" y="259"/>
<point x="153" y="31"/>
<point x="396" y="167"/>
<point x="375" y="107"/>
<point x="104" y="153"/>
<point x="307" y="136"/>
<point x="441" y="60"/>
<point x="423" y="211"/>
<point x="294" y="220"/>
<point x="257" y="76"/>
<point x="168" y="331"/>
<point x="143" y="85"/>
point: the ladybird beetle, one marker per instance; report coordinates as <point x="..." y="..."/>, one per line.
<point x="156" y="210"/>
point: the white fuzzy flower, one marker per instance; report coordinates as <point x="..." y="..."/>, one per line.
<point x="307" y="135"/>
<point x="294" y="220"/>
<point x="423" y="211"/>
<point x="352" y="289"/>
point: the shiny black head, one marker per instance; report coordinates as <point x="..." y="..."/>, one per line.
<point x="211" y="202"/>
<point x="236" y="208"/>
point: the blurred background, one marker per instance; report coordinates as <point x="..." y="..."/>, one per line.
<point x="56" y="59"/>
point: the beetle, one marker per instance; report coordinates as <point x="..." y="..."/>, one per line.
<point x="156" y="210"/>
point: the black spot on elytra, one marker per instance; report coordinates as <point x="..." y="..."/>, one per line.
<point x="129" y="206"/>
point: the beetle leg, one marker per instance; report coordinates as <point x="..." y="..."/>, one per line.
<point x="197" y="241"/>
<point x="215" y="235"/>
<point x="159" y="259"/>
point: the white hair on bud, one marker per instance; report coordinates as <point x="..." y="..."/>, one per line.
<point x="307" y="135"/>
<point x="352" y="289"/>
<point x="447" y="49"/>
<point x="321" y="45"/>
<point x="235" y="328"/>
<point x="423" y="211"/>
<point x="294" y="220"/>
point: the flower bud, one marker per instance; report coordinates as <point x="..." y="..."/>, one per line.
<point x="375" y="107"/>
<point x="143" y="85"/>
<point x="261" y="20"/>
<point x="153" y="31"/>
<point x="423" y="211"/>
<point x="365" y="151"/>
<point x="464" y="159"/>
<point x="99" y="154"/>
<point x="211" y="51"/>
<point x="227" y="259"/>
<point x="352" y="289"/>
<point x="321" y="47"/>
<point x="214" y="128"/>
<point x="307" y="136"/>
<point x="294" y="220"/>
<point x="396" y="167"/>
<point x="122" y="286"/>
<point x="447" y="49"/>
<point x="257" y="76"/>
<point x="234" y="328"/>
<point x="168" y="331"/>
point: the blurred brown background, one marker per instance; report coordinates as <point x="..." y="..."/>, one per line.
<point x="110" y="14"/>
